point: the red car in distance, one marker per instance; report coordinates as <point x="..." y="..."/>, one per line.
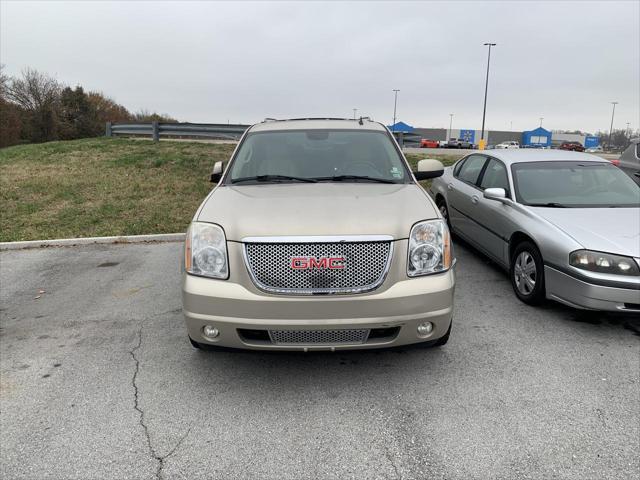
<point x="573" y="146"/>
<point x="426" y="143"/>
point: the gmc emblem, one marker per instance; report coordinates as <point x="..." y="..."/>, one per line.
<point x="322" y="263"/>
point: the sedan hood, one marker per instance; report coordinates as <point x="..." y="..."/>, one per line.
<point x="612" y="230"/>
<point x="317" y="209"/>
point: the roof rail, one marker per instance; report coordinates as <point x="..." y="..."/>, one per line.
<point x="315" y="118"/>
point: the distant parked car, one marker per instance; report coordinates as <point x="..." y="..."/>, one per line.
<point x="629" y="161"/>
<point x="564" y="224"/>
<point x="426" y="143"/>
<point x="458" y="143"/>
<point x="573" y="146"/>
<point x="442" y="143"/>
<point x="508" y="145"/>
<point x="597" y="149"/>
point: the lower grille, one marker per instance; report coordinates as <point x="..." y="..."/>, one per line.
<point x="315" y="337"/>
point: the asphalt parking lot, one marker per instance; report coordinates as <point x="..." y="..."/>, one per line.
<point x="98" y="381"/>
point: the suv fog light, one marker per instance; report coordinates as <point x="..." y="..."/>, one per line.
<point x="210" y="331"/>
<point x="425" y="328"/>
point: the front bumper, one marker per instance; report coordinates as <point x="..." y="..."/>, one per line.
<point x="577" y="293"/>
<point x="399" y="305"/>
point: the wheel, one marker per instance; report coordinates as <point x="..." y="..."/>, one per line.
<point x="445" y="338"/>
<point x="527" y="273"/>
<point x="195" y="344"/>
<point x="444" y="211"/>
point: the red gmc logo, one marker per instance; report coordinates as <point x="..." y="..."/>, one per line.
<point x="322" y="263"/>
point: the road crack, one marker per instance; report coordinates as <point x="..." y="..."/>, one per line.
<point x="160" y="459"/>
<point x="393" y="464"/>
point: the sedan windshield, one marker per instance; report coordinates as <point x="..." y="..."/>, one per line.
<point x="317" y="156"/>
<point x="574" y="184"/>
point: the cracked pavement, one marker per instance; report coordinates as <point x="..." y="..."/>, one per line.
<point x="98" y="381"/>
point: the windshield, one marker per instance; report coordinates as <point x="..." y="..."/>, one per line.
<point x="319" y="155"/>
<point x="574" y="184"/>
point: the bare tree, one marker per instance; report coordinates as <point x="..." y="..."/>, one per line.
<point x="37" y="94"/>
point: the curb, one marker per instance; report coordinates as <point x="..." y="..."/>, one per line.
<point x="70" y="242"/>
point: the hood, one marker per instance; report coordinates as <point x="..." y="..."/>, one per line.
<point x="612" y="230"/>
<point x="317" y="209"/>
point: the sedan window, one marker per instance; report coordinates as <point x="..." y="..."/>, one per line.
<point x="470" y="170"/>
<point x="574" y="184"/>
<point x="495" y="176"/>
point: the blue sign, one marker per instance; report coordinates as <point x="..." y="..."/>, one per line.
<point x="468" y="135"/>
<point x="590" y="142"/>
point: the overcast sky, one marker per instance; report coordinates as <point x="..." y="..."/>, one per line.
<point x="244" y="61"/>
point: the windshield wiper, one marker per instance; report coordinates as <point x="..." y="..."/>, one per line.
<point x="271" y="178"/>
<point x="549" y="204"/>
<point x="342" y="178"/>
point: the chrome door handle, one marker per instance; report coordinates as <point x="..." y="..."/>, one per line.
<point x="474" y="199"/>
<point x="450" y="186"/>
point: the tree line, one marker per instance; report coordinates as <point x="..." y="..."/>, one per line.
<point x="35" y="107"/>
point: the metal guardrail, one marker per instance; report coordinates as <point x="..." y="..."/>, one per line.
<point x="158" y="129"/>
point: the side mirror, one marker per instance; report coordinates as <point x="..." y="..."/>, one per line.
<point x="498" y="194"/>
<point x="216" y="173"/>
<point x="429" y="168"/>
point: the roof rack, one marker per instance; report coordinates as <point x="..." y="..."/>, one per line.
<point x="314" y="118"/>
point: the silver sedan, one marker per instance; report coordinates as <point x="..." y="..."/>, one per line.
<point x="565" y="224"/>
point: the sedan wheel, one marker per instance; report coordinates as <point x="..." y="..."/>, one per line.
<point x="527" y="273"/>
<point x="444" y="211"/>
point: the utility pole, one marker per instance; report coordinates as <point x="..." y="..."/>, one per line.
<point x="395" y="104"/>
<point x="613" y="112"/>
<point x="450" y="124"/>
<point x="486" y="88"/>
<point x="541" y="118"/>
<point x="354" y="113"/>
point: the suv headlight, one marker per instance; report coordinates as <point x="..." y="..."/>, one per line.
<point x="205" y="251"/>
<point x="603" y="262"/>
<point x="429" y="248"/>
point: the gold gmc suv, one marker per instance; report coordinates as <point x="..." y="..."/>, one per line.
<point x="318" y="237"/>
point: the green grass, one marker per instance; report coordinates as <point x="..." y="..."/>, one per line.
<point x="108" y="186"/>
<point x="96" y="187"/>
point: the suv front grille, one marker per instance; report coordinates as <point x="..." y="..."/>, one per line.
<point x="304" y="268"/>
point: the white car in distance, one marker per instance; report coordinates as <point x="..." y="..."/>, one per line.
<point x="508" y="145"/>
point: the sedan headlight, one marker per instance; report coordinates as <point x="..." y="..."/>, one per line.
<point x="429" y="248"/>
<point x="603" y="262"/>
<point x="205" y="251"/>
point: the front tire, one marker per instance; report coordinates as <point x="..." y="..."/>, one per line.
<point x="445" y="338"/>
<point x="527" y="273"/>
<point x="444" y="211"/>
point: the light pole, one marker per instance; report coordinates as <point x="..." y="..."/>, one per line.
<point x="486" y="87"/>
<point x="395" y="104"/>
<point x="354" y="113"/>
<point x="613" y="112"/>
<point x="450" y="124"/>
<point x="541" y="118"/>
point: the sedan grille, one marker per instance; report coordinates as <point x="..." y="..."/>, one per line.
<point x="315" y="337"/>
<point x="306" y="268"/>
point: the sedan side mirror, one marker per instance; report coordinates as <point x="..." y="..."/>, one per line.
<point x="498" y="194"/>
<point x="216" y="173"/>
<point x="429" y="168"/>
